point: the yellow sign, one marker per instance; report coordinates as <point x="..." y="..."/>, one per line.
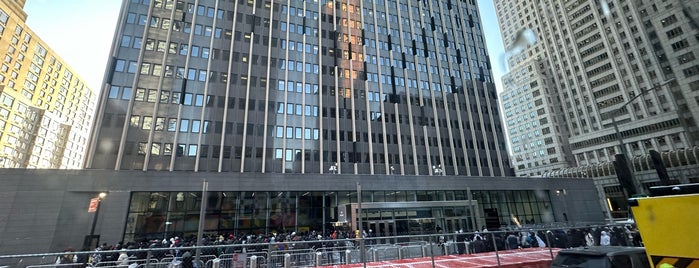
<point x="668" y="226"/>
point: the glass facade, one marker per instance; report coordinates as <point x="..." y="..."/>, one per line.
<point x="366" y="87"/>
<point x="155" y="215"/>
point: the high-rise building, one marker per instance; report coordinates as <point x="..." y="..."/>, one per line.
<point x="355" y="87"/>
<point x="596" y="66"/>
<point x="46" y="109"/>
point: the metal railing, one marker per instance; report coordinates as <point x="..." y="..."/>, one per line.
<point x="316" y="252"/>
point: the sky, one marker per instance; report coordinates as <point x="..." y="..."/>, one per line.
<point x="81" y="32"/>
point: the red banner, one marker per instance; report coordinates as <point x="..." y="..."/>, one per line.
<point x="93" y="204"/>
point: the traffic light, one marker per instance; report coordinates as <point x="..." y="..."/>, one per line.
<point x="623" y="174"/>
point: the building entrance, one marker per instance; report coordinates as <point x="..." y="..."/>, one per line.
<point x="382" y="219"/>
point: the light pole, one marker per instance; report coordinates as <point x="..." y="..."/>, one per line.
<point x="636" y="184"/>
<point x="91" y="241"/>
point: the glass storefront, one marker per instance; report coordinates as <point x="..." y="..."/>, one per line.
<point x="156" y="215"/>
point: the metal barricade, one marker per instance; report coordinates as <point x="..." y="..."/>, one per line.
<point x="292" y="258"/>
<point x="411" y="250"/>
<point x="229" y="260"/>
<point x="323" y="252"/>
<point x="67" y="265"/>
<point x="385" y="252"/>
<point x="331" y="255"/>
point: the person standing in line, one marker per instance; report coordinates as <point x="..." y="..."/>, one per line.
<point x="604" y="239"/>
<point x="123" y="259"/>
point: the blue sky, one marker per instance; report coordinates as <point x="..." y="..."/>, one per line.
<point x="81" y="32"/>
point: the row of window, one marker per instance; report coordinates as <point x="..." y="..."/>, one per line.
<point x="151" y="95"/>
<point x="186" y="125"/>
<point x="290" y="155"/>
<point x="298" y="66"/>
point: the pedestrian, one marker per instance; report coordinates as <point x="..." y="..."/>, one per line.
<point x="540" y="242"/>
<point x="461" y="242"/>
<point x="604" y="239"/>
<point x="525" y="239"/>
<point x="589" y="239"/>
<point x="123" y="259"/>
<point x="187" y="260"/>
<point x="479" y="245"/>
<point x="67" y="258"/>
<point x="512" y="241"/>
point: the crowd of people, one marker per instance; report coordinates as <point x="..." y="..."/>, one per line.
<point x="627" y="235"/>
<point x="335" y="242"/>
<point x="178" y="248"/>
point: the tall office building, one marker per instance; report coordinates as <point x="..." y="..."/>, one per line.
<point x="595" y="66"/>
<point x="46" y="110"/>
<point x="354" y="87"/>
<point x="536" y="144"/>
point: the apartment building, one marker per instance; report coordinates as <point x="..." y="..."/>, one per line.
<point x="46" y="109"/>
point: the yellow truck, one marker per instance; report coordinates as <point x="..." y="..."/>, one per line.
<point x="668" y="221"/>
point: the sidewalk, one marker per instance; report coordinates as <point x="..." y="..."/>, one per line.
<point x="520" y="258"/>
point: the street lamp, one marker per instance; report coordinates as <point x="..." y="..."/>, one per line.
<point x="437" y="170"/>
<point x="333" y="168"/>
<point x="91" y="240"/>
<point x="636" y="184"/>
<point x="562" y="193"/>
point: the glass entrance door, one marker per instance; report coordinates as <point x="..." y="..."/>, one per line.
<point x="382" y="228"/>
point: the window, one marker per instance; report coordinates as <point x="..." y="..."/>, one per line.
<point x="135" y="121"/>
<point x="114" y="92"/>
<point x="159" y="123"/>
<point x="152" y="94"/>
<point x="192" y="151"/>
<point x="142" y="148"/>
<point x="145" y="68"/>
<point x="680" y="45"/>
<point x="155" y="149"/>
<point x="171" y="124"/>
<point x="196" y="124"/>
<point x="140" y="94"/>
<point x="199" y="100"/>
<point x="184" y="125"/>
<point x="137" y="42"/>
<point x="126" y="41"/>
<point x="119" y="66"/>
<point x="147" y="121"/>
<point x="132" y="67"/>
<point x="126" y="93"/>
<point x="167" y="149"/>
<point x="180" y="149"/>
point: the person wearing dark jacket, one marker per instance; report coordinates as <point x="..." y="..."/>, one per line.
<point x="187" y="260"/>
<point x="512" y="241"/>
<point x="478" y="245"/>
<point x="461" y="242"/>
